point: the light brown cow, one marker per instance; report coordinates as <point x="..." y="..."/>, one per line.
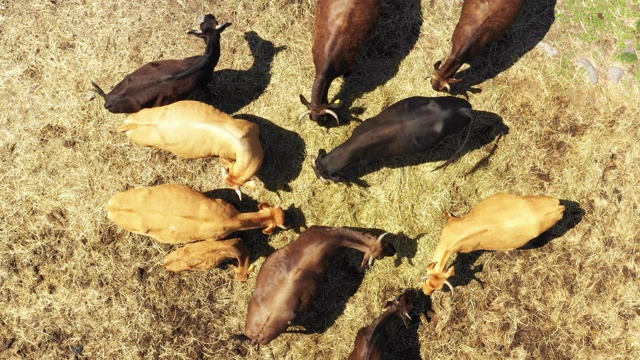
<point x="192" y="129"/>
<point x="173" y="213"/>
<point x="207" y="254"/>
<point x="500" y="222"/>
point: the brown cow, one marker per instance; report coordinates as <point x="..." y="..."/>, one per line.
<point x="163" y="82"/>
<point x="371" y="339"/>
<point x="192" y="129"/>
<point x="173" y="214"/>
<point x="289" y="279"/>
<point x="207" y="254"/>
<point x="480" y="22"/>
<point x="500" y="222"/>
<point x="341" y="28"/>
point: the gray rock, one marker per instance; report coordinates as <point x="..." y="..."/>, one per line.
<point x="615" y="74"/>
<point x="592" y="74"/>
<point x="548" y="49"/>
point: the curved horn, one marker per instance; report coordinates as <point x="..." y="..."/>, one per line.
<point x="425" y="277"/>
<point x="447" y="86"/>
<point x="370" y="262"/>
<point x="381" y="236"/>
<point x="450" y="287"/>
<point x="332" y="113"/>
<point x="237" y="189"/>
<point x="308" y="112"/>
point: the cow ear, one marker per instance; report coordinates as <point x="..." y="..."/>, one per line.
<point x="304" y="101"/>
<point x="264" y="205"/>
<point x="436" y="66"/>
<point x="453" y="81"/>
<point x="431" y="265"/>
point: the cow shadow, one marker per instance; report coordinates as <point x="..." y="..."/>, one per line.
<point x="340" y="283"/>
<point x="465" y="271"/>
<point x="403" y="342"/>
<point x="572" y="216"/>
<point x="395" y="36"/>
<point x="527" y="31"/>
<point x="488" y="126"/>
<point x="406" y="247"/>
<point x="283" y="153"/>
<point x="232" y="90"/>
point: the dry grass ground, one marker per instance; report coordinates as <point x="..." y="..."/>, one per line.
<point x="72" y="284"/>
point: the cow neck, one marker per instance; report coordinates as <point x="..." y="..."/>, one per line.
<point x="254" y="220"/>
<point x="319" y="92"/>
<point x="212" y="51"/>
<point x="352" y="239"/>
<point x="446" y="246"/>
<point x="340" y="157"/>
<point x="449" y="68"/>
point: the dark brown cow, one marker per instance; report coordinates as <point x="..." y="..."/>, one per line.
<point x="371" y="340"/>
<point x="480" y="22"/>
<point x="289" y="279"/>
<point x="341" y="28"/>
<point x="164" y="82"/>
<point x="411" y="125"/>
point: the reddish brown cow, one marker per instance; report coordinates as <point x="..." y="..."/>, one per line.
<point x="480" y="22"/>
<point x="341" y="28"/>
<point x="371" y="340"/>
<point x="289" y="279"/>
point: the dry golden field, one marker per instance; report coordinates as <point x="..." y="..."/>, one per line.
<point x="74" y="285"/>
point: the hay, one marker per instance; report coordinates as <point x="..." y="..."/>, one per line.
<point x="73" y="284"/>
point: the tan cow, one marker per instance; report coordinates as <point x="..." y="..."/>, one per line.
<point x="500" y="222"/>
<point x="173" y="213"/>
<point x="192" y="129"/>
<point x="207" y="254"/>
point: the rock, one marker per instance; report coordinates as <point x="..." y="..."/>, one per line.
<point x="592" y="74"/>
<point x="548" y="49"/>
<point x="615" y="74"/>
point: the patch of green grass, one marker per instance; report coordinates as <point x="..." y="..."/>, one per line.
<point x="599" y="19"/>
<point x="628" y="57"/>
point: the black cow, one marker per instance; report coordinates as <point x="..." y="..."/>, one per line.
<point x="409" y="126"/>
<point x="163" y="82"/>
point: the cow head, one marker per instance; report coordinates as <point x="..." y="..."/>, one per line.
<point x="436" y="280"/>
<point x="233" y="182"/>
<point x="438" y="83"/>
<point x="320" y="113"/>
<point x="378" y="249"/>
<point x="208" y="25"/>
<point x="275" y="215"/>
<point x="321" y="172"/>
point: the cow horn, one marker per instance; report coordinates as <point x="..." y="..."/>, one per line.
<point x="447" y="86"/>
<point x="308" y="112"/>
<point x="407" y="315"/>
<point x="237" y="189"/>
<point x="450" y="287"/>
<point x="370" y="262"/>
<point x="425" y="277"/>
<point x="225" y="171"/>
<point x="381" y="236"/>
<point x="332" y="113"/>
